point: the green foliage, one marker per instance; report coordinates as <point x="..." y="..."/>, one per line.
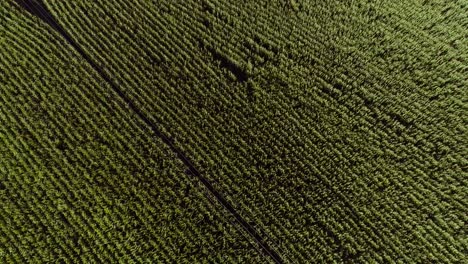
<point x="82" y="179"/>
<point x="335" y="128"/>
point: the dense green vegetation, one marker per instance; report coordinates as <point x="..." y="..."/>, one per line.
<point x="81" y="178"/>
<point x="337" y="130"/>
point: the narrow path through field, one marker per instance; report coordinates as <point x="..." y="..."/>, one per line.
<point x="36" y="8"/>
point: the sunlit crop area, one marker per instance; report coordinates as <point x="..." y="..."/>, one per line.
<point x="227" y="131"/>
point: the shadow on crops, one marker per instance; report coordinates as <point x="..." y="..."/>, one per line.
<point x="37" y="9"/>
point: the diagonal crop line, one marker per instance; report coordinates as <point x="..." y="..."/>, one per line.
<point x="37" y="8"/>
